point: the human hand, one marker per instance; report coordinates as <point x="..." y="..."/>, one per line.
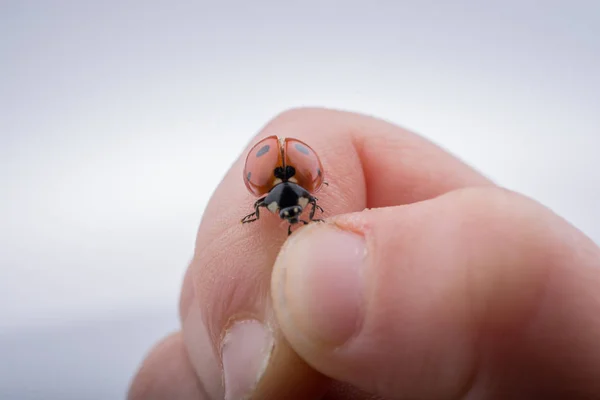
<point x="447" y="287"/>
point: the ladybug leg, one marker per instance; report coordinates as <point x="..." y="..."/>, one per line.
<point x="256" y="214"/>
<point x="315" y="206"/>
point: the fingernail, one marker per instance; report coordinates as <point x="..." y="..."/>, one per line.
<point x="246" y="349"/>
<point x="202" y="353"/>
<point x="320" y="284"/>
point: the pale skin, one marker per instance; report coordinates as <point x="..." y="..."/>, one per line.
<point x="469" y="291"/>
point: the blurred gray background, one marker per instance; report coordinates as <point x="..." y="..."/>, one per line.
<point x="118" y="119"/>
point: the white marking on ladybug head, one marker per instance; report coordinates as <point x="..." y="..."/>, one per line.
<point x="277" y="181"/>
<point x="293" y="179"/>
<point x="273" y="207"/>
<point x="302" y="202"/>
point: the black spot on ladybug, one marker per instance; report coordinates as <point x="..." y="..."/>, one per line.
<point x="249" y="175"/>
<point x="263" y="150"/>
<point x="302" y="149"/>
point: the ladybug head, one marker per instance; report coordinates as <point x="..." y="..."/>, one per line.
<point x="290" y="213"/>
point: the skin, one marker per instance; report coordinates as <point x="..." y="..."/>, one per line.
<point x="531" y="282"/>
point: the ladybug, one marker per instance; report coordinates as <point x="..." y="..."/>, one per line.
<point x="283" y="172"/>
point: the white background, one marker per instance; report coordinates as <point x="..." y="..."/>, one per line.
<point x="118" y="119"/>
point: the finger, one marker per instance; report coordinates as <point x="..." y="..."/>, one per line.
<point x="166" y="374"/>
<point x="479" y="293"/>
<point x="225" y="304"/>
<point x="343" y="391"/>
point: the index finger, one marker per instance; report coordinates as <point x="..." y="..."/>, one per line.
<point x="225" y="303"/>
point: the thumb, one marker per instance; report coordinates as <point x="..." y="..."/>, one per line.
<point x="479" y="292"/>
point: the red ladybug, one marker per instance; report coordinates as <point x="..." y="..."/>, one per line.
<point x="283" y="172"/>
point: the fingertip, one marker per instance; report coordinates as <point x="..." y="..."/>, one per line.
<point x="318" y="287"/>
<point x="166" y="374"/>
